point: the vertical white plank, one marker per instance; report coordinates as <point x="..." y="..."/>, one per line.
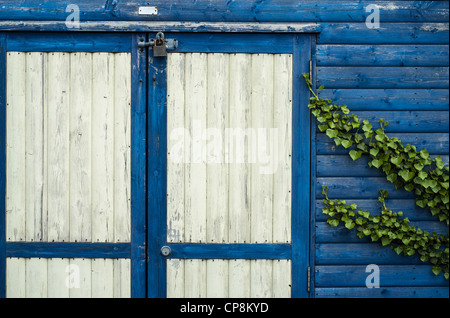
<point x="239" y="278"/>
<point x="82" y="286"/>
<point x="58" y="276"/>
<point x="261" y="278"/>
<point x="216" y="168"/>
<point x="175" y="146"/>
<point x="36" y="146"/>
<point x="15" y="154"/>
<point x="36" y="277"/>
<point x="217" y="278"/>
<point x="122" y="146"/>
<point x="237" y="142"/>
<point x="281" y="278"/>
<point x="262" y="121"/>
<point x="58" y="93"/>
<point x="195" y="278"/>
<point x="102" y="278"/>
<point x="175" y="278"/>
<point x="283" y="124"/>
<point x="15" y="278"/>
<point x="102" y="147"/>
<point x="122" y="275"/>
<point x="80" y="146"/>
<point x="195" y="171"/>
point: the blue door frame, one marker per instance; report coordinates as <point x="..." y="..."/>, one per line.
<point x="148" y="156"/>
<point x="299" y="250"/>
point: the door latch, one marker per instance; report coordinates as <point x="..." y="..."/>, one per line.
<point x="159" y="45"/>
<point x="166" y="251"/>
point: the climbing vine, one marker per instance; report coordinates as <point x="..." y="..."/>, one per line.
<point x="405" y="166"/>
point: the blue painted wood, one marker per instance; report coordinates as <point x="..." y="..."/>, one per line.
<point x="382" y="55"/>
<point x="361" y="254"/>
<point x="156" y="26"/>
<point x="224" y="10"/>
<point x="388" y="33"/>
<point x="435" y="143"/>
<point x="233" y="43"/>
<point x="340" y="234"/>
<point x="383" y="77"/>
<point x="326" y="166"/>
<point x="301" y="164"/>
<point x="230" y="251"/>
<point x="138" y="170"/>
<point x="389" y="99"/>
<point x="68" y="250"/>
<point x="359" y="188"/>
<point x="2" y="165"/>
<point x="383" y="292"/>
<point x="407" y="206"/>
<point x="390" y="276"/>
<point x="313" y="169"/>
<point x="408" y="121"/>
<point x="157" y="175"/>
<point x="69" y="42"/>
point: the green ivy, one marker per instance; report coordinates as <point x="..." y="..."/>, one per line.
<point x="404" y="165"/>
<point x="390" y="229"/>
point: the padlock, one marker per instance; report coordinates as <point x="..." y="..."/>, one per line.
<point x="159" y="49"/>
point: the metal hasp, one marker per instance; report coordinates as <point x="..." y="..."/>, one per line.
<point x="159" y="45"/>
<point x="166" y="251"/>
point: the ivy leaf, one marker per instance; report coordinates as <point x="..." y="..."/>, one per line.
<point x="396" y="160"/>
<point x="374" y="152"/>
<point x="421" y="203"/>
<point x="332" y="133"/>
<point x="346" y="143"/>
<point x="439" y="163"/>
<point x="392" y="177"/>
<point x="424" y="154"/>
<point x="422" y="175"/>
<point x="436" y="270"/>
<point x="385" y="241"/>
<point x="406" y="175"/>
<point x="377" y="163"/>
<point x="355" y="154"/>
<point x="333" y="222"/>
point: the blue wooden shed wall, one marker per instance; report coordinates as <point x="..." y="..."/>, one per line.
<point x="398" y="72"/>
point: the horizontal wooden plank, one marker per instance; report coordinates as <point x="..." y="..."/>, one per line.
<point x="435" y="143"/>
<point x="408" y="207"/>
<point x="361" y="254"/>
<point x="230" y="251"/>
<point x="408" y="121"/>
<point x="390" y="276"/>
<point x="389" y="99"/>
<point x="388" y="33"/>
<point x="388" y="292"/>
<point x="69" y="42"/>
<point x="359" y="188"/>
<point x="345" y="166"/>
<point x="157" y="26"/>
<point x="233" y="43"/>
<point x="383" y="77"/>
<point x="223" y="10"/>
<point x="69" y="250"/>
<point x="382" y="55"/>
<point x="326" y="233"/>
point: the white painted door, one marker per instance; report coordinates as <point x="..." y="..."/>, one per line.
<point x="68" y="169"/>
<point x="229" y="143"/>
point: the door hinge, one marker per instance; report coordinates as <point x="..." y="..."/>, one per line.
<point x="311" y="70"/>
<point x="309" y="280"/>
